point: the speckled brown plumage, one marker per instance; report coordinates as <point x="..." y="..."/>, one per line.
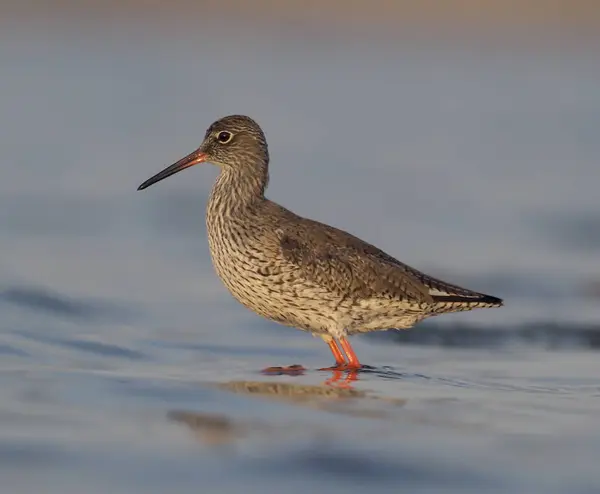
<point x="297" y="271"/>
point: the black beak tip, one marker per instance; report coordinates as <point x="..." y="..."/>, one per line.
<point x="146" y="184"/>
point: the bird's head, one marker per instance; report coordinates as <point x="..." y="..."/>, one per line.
<point x="235" y="142"/>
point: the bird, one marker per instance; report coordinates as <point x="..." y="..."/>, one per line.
<point x="297" y="271"/>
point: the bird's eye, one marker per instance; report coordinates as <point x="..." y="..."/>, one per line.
<point x="224" y="137"/>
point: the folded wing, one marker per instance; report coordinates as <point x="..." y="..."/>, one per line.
<point x="352" y="268"/>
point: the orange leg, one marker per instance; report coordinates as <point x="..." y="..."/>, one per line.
<point x="337" y="353"/>
<point x="353" y="362"/>
<point x="340" y="361"/>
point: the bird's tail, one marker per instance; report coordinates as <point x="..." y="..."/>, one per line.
<point x="452" y="298"/>
<point x="459" y="303"/>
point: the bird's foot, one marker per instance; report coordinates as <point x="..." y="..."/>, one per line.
<point x="343" y="367"/>
<point x="290" y="370"/>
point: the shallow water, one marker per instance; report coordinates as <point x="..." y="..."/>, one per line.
<point x="124" y="364"/>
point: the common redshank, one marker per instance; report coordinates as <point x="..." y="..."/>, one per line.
<point x="299" y="272"/>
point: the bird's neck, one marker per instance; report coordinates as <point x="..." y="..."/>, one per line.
<point x="235" y="191"/>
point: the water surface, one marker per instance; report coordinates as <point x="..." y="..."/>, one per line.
<point x="125" y="365"/>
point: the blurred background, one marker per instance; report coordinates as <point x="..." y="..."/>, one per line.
<point x="459" y="136"/>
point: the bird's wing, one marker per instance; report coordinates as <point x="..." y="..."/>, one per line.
<point x="347" y="265"/>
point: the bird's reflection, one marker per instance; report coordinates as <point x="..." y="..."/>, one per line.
<point x="212" y="429"/>
<point x="340" y="377"/>
<point x="337" y="396"/>
<point x="297" y="393"/>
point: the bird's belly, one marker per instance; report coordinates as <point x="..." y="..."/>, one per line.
<point x="377" y="314"/>
<point x="281" y="297"/>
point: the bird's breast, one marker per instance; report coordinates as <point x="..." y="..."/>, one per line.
<point x="249" y="263"/>
<point x="241" y="258"/>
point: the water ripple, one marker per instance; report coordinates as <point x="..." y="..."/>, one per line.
<point x="45" y="300"/>
<point x="543" y="334"/>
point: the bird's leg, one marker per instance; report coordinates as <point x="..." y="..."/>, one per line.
<point x="337" y="353"/>
<point x="353" y="362"/>
<point x="340" y="361"/>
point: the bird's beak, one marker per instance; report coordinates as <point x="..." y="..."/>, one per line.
<point x="190" y="160"/>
